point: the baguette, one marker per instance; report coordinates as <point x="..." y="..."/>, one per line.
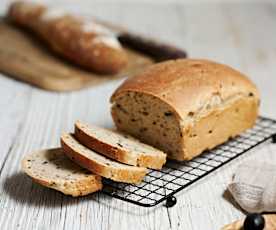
<point x="52" y="169"/>
<point x="86" y="43"/>
<point x="118" y="146"/>
<point x="99" y="164"/>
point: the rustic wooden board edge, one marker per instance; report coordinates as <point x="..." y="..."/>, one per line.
<point x="33" y="71"/>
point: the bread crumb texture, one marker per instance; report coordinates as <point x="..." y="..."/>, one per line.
<point x="53" y="169"/>
<point x="119" y="146"/>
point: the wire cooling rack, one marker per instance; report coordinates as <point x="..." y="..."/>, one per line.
<point x="159" y="186"/>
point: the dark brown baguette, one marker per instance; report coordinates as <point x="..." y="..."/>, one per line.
<point x="87" y="44"/>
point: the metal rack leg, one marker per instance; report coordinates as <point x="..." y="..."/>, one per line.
<point x="274" y="139"/>
<point x="171" y="201"/>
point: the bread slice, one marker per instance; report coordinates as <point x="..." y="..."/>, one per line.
<point x="51" y="168"/>
<point x="99" y="164"/>
<point x="118" y="146"/>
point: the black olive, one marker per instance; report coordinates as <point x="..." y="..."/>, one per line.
<point x="254" y="221"/>
<point x="168" y="113"/>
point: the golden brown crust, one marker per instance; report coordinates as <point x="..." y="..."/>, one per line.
<point x="135" y="175"/>
<point x="186" y="84"/>
<point x="81" y="188"/>
<point x="66" y="37"/>
<point x="119" y="154"/>
<point x="24" y="13"/>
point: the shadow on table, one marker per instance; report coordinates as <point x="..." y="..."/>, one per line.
<point x="20" y="188"/>
<point x="230" y="199"/>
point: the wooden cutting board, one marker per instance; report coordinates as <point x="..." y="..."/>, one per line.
<point x="270" y="223"/>
<point x="25" y="58"/>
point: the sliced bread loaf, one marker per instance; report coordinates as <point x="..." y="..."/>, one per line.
<point x="51" y="168"/>
<point x="185" y="106"/>
<point x="99" y="164"/>
<point x="118" y="146"/>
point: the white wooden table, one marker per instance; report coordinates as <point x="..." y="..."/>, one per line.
<point x="241" y="34"/>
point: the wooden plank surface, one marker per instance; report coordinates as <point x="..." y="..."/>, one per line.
<point x="242" y="35"/>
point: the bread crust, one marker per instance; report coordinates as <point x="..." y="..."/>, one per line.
<point x="118" y="154"/>
<point x="185" y="84"/>
<point x="219" y="126"/>
<point x="66" y="36"/>
<point x="80" y="188"/>
<point x="196" y="91"/>
<point x="83" y="186"/>
<point x="131" y="174"/>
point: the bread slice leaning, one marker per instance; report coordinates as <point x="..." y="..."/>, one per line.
<point x="99" y="164"/>
<point x="118" y="146"/>
<point x="53" y="169"/>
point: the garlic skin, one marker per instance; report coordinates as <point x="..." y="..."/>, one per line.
<point x="253" y="186"/>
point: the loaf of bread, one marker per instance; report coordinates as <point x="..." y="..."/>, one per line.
<point x="99" y="164"/>
<point x="86" y="43"/>
<point x="118" y="146"/>
<point x="186" y="106"/>
<point x="51" y="168"/>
